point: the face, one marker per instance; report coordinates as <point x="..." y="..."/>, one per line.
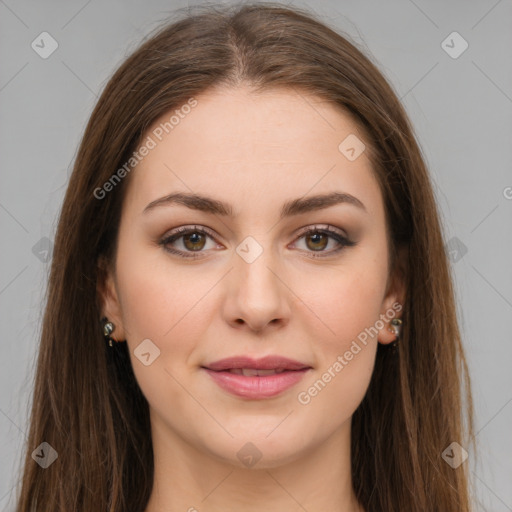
<point x="243" y="280"/>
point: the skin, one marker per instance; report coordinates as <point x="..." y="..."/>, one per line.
<point x="255" y="151"/>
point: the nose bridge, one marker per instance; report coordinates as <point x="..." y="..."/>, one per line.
<point x="255" y="264"/>
<point x="258" y="295"/>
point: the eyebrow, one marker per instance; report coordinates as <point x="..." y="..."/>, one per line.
<point x="290" y="208"/>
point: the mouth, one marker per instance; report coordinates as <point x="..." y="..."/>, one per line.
<point x="256" y="378"/>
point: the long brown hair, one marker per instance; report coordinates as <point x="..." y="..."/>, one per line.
<point x="87" y="404"/>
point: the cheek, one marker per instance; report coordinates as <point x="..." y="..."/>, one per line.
<point x="349" y="308"/>
<point x="348" y="302"/>
<point x="157" y="300"/>
<point x="166" y="307"/>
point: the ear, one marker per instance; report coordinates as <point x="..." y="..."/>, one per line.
<point x="108" y="298"/>
<point x="392" y="305"/>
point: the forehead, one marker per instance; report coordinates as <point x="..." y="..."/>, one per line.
<point x="250" y="148"/>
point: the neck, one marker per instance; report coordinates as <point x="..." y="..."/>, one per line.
<point x="189" y="479"/>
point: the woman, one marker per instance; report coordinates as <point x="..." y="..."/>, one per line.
<point x="250" y="306"/>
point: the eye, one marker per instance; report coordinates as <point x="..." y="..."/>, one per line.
<point x="193" y="240"/>
<point x="317" y="239"/>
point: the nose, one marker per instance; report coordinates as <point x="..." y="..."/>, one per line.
<point x="257" y="297"/>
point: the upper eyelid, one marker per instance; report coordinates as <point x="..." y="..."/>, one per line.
<point x="322" y="227"/>
<point x="182" y="230"/>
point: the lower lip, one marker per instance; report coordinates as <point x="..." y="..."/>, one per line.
<point x="255" y="387"/>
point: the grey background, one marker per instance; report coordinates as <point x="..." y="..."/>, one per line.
<point x="460" y="107"/>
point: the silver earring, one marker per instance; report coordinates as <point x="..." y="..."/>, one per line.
<point x="395" y="326"/>
<point x="108" y="329"/>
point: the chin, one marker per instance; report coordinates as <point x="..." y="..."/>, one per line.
<point x="260" y="450"/>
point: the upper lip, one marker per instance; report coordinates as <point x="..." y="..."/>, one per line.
<point x="264" y="363"/>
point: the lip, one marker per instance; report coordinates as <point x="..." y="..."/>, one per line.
<point x="264" y="363"/>
<point x="256" y="387"/>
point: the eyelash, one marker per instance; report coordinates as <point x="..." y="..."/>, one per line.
<point x="186" y="230"/>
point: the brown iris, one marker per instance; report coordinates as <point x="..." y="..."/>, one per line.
<point x="194" y="241"/>
<point x="316" y="240"/>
